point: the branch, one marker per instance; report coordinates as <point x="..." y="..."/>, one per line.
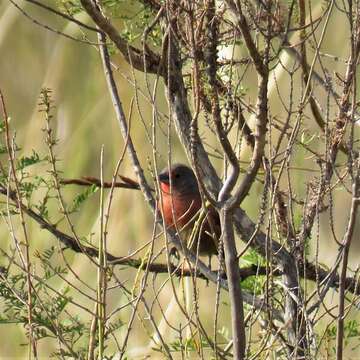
<point x="235" y="291"/>
<point x="65" y="16"/>
<point x="149" y="61"/>
<point x="89" y="180"/>
<point x="244" y="27"/>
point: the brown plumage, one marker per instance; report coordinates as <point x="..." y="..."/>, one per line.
<point x="181" y="204"/>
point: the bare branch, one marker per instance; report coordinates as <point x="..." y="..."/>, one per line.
<point x="149" y="61"/>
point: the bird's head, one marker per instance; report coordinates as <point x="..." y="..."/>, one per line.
<point x="182" y="179"/>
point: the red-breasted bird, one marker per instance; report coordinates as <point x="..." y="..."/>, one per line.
<point x="181" y="205"/>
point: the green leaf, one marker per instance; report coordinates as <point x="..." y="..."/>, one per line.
<point x="82" y="197"/>
<point x="26" y="161"/>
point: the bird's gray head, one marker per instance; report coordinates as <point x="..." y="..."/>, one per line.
<point x="182" y="178"/>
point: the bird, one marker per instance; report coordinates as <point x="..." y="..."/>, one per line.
<point x="180" y="206"/>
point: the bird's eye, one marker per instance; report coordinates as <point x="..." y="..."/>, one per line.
<point x="177" y="175"/>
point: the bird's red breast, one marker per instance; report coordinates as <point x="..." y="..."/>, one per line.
<point x="180" y="203"/>
<point x="177" y="209"/>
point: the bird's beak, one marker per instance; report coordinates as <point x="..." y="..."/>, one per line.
<point x="164" y="178"/>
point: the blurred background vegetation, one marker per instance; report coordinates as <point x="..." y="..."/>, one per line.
<point x="83" y="120"/>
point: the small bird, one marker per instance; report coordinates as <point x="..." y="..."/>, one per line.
<point x="180" y="207"/>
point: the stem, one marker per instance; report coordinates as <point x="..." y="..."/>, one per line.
<point x="101" y="289"/>
<point x="235" y="293"/>
<point x="346" y="243"/>
<point x="26" y="261"/>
